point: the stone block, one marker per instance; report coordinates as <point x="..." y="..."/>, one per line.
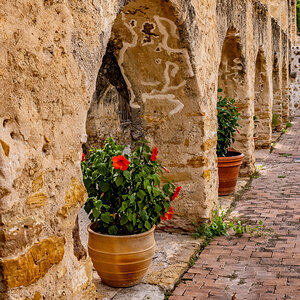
<point x="36" y="200"/>
<point x="38" y="183"/>
<point x="197" y="162"/>
<point x="29" y="267"/>
<point x="75" y="195"/>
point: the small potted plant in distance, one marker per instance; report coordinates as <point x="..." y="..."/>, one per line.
<point x="125" y="202"/>
<point x="229" y="160"/>
<point x="256" y="121"/>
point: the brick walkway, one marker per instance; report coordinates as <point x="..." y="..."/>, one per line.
<point x="257" y="267"/>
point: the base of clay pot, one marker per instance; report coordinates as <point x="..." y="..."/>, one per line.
<point x="122" y="260"/>
<point x="228" y="170"/>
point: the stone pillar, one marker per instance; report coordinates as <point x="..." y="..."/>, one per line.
<point x="51" y="51"/>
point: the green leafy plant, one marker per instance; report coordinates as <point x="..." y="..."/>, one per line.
<point x="219" y="227"/>
<point x="256" y="121"/>
<point x="125" y="195"/>
<point x="228" y="118"/>
<point x="288" y="125"/>
<point x="285" y="154"/>
<point x="216" y="228"/>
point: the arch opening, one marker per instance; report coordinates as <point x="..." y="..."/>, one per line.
<point x="261" y="119"/>
<point x="277" y="96"/>
<point x="232" y="80"/>
<point x="285" y="94"/>
<point x="146" y="88"/>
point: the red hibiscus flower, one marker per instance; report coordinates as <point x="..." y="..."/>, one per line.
<point x="83" y="157"/>
<point x="120" y="162"/>
<point x="167" y="215"/>
<point x="154" y="154"/>
<point x="177" y="191"/>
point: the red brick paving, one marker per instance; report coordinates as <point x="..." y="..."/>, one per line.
<point x="257" y="267"/>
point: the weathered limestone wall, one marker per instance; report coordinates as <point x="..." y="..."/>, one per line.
<point x="276" y="75"/>
<point x="295" y="81"/>
<point x="50" y="54"/>
<point x="75" y="72"/>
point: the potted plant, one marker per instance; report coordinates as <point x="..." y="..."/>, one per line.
<point x="125" y="202"/>
<point x="256" y="121"/>
<point x="229" y="160"/>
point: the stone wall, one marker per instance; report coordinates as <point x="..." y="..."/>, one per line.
<point x="75" y="72"/>
<point x="295" y="81"/>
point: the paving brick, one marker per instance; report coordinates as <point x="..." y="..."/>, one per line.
<point x="265" y="267"/>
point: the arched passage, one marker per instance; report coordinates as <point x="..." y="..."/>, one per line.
<point x="146" y="88"/>
<point x="232" y="80"/>
<point x="285" y="94"/>
<point x="262" y="113"/>
<point x="277" y="96"/>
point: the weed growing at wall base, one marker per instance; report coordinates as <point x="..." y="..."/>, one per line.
<point x="220" y="227"/>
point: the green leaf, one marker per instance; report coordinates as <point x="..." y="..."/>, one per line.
<point x="146" y="184"/>
<point x="166" y="188"/>
<point x="104" y="186"/>
<point x="119" y="180"/>
<point x="88" y="206"/>
<point x="132" y="198"/>
<point x="96" y="213"/>
<point x="106" y="217"/>
<point x="144" y="216"/>
<point x="113" y="230"/>
<point x="123" y="220"/>
<point x="133" y="219"/>
<point x="157" y="208"/>
<point x="129" y="227"/>
<point x="147" y="225"/>
<point x="156" y="179"/>
<point x="123" y="206"/>
<point x="141" y="194"/>
<point x="129" y="215"/>
<point x="127" y="175"/>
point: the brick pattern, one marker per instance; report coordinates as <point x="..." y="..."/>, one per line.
<point x="257" y="267"/>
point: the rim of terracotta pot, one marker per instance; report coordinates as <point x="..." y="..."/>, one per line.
<point x="238" y="156"/>
<point x="129" y="236"/>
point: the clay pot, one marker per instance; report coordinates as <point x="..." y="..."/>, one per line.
<point x="228" y="170"/>
<point x="121" y="260"/>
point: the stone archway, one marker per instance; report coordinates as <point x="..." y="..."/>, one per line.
<point x="277" y="96"/>
<point x="147" y="88"/>
<point x="232" y="80"/>
<point x="262" y="108"/>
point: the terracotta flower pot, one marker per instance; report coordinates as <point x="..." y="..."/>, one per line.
<point x="228" y="170"/>
<point x="121" y="260"/>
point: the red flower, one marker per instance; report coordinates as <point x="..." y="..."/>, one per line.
<point x="120" y="162"/>
<point x="237" y="131"/>
<point x="83" y="157"/>
<point x="177" y="191"/>
<point x="154" y="154"/>
<point x="167" y="215"/>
